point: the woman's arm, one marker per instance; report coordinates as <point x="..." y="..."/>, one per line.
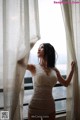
<point x="29" y="67"/>
<point x="68" y="79"/>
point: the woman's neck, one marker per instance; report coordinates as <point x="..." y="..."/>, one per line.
<point x="43" y="62"/>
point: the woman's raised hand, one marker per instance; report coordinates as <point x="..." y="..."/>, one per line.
<point x="72" y="65"/>
<point x="21" y="61"/>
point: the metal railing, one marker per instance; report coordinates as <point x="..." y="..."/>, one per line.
<point x="30" y="87"/>
<point x="28" y="82"/>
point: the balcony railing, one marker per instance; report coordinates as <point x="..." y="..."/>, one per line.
<point x="29" y="86"/>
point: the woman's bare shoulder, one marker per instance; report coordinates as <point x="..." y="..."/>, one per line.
<point x="31" y="68"/>
<point x="56" y="70"/>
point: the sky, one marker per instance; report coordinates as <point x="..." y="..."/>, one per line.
<point x="52" y="31"/>
<point x="51" y="26"/>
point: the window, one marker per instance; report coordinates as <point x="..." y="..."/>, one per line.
<point x="52" y="31"/>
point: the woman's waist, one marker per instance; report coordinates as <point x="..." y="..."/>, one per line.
<point x="42" y="93"/>
<point x="43" y="88"/>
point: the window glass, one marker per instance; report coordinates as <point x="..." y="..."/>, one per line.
<point x="52" y="31"/>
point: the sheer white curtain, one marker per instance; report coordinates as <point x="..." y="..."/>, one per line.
<point x="19" y="25"/>
<point x="71" y="16"/>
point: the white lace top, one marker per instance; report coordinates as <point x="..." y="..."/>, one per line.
<point x="42" y="102"/>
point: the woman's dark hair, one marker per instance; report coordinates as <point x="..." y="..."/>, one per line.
<point x="49" y="54"/>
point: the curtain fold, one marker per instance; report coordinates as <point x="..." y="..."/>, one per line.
<point x="17" y="31"/>
<point x="71" y="14"/>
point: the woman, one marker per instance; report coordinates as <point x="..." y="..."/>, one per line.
<point x="45" y="76"/>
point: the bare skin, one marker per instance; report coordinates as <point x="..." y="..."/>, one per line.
<point x="43" y="63"/>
